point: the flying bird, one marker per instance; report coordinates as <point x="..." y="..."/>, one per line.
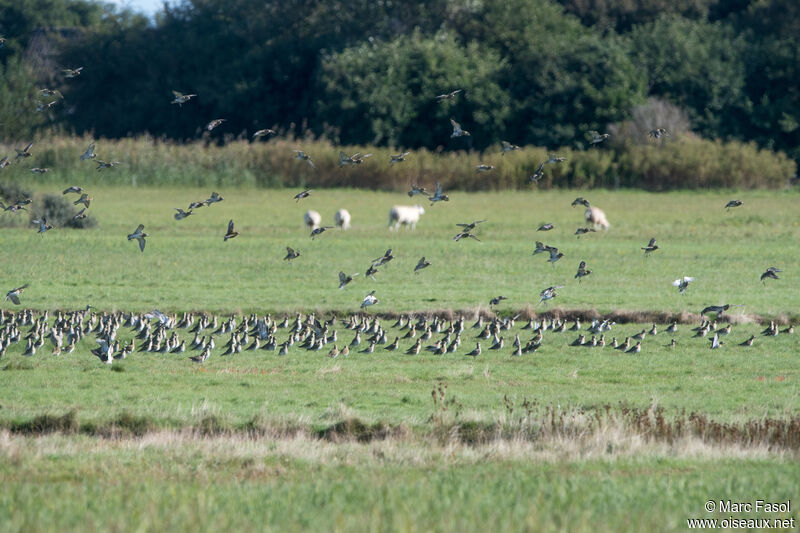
<point x="545" y="227"/>
<point x="447" y="96"/>
<point x="415" y="189"/>
<point x="399" y="158"/>
<point x="214" y="198"/>
<point x="718" y="309"/>
<point x="72" y="189"/>
<point x="301" y="155"/>
<point x="651" y="247"/>
<point x="37" y="170"/>
<point x="318" y="231"/>
<point x="139" y="235"/>
<point x="355" y="159"/>
<point x="291" y="254"/>
<point x="549" y="293"/>
<point x="555" y="255"/>
<point x="85" y="199"/>
<point x="305" y="194"/>
<point x="43" y="225"/>
<point x="80" y="214"/>
<point x="507" y="147"/>
<point x="471" y="225"/>
<point x="264" y="133"/>
<point x="733" y="203"/>
<point x="89" y="153"/>
<point x="422" y="263"/>
<point x="215" y="123"/>
<point x="181" y="214"/>
<point x="596" y="138"/>
<point x="13" y="294"/>
<point x="180" y="98"/>
<point x="465" y="234"/>
<point x="369" y="299"/>
<point x="25" y="152"/>
<point x="344" y="279"/>
<point x="582" y="271"/>
<point x="457" y="131"/>
<point x="231" y="233"/>
<point x="658" y="133"/>
<point x="102" y="165"/>
<point x="385" y="258"/>
<point x="438" y="196"/>
<point x="484" y="168"/>
<point x="771" y="272"/>
<point x="682" y="283"/>
<point x="496" y="300"/>
<point x="71" y="72"/>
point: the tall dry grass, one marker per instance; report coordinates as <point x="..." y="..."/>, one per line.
<point x="677" y="163"/>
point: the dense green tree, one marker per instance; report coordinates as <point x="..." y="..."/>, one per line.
<point x="384" y="92"/>
<point x="18" y="101"/>
<point x="563" y="78"/>
<point x="698" y="66"/>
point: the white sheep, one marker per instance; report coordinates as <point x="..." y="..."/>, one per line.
<point x="342" y="219"/>
<point x="312" y="219"/>
<point x="593" y="214"/>
<point x="408" y="215"/>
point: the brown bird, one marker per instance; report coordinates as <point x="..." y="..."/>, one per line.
<point x="231" y="234"/>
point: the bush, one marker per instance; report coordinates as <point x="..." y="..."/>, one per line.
<point x="60" y="212"/>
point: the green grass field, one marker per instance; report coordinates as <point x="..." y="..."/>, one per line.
<point x="250" y="441"/>
<point x="187" y="266"/>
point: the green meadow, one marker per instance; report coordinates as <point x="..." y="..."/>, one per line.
<point x="566" y="438"/>
<point x="187" y="266"/>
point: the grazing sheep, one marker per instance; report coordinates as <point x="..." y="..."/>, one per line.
<point x="593" y="214"/>
<point x="312" y="219"/>
<point x="342" y="219"/>
<point x="408" y="215"/>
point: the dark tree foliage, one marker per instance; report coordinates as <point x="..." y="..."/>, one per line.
<point x="365" y="71"/>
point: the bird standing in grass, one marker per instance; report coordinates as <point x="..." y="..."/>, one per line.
<point x="139" y="235"/>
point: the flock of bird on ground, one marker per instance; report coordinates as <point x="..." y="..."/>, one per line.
<point x="259" y="332"/>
